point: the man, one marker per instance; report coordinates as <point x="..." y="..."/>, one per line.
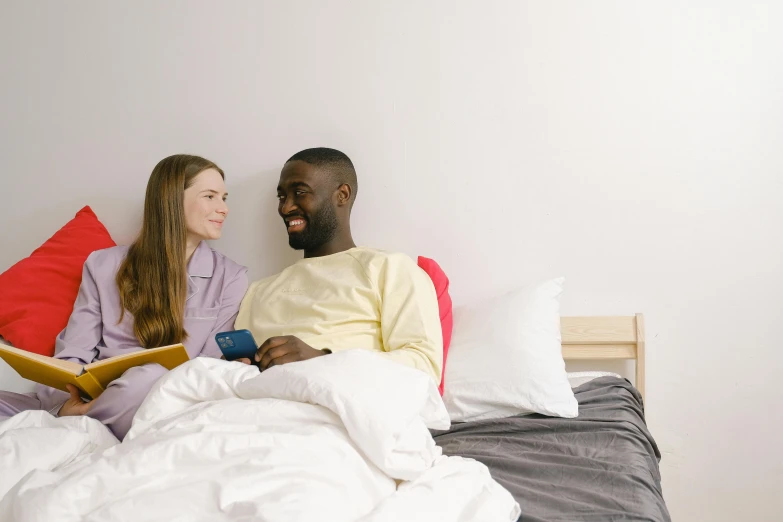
<point x="339" y="296"/>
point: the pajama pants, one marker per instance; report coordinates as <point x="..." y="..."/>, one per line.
<point x="115" y="407"/>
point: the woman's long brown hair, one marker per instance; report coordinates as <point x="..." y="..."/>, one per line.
<point x="152" y="279"/>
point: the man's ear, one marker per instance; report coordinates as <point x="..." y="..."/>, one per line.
<point x="343" y="194"/>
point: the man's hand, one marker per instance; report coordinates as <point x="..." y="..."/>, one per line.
<point x="74" y="405"/>
<point x="282" y="350"/>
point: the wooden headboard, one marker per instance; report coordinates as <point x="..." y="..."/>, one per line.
<point x="610" y="337"/>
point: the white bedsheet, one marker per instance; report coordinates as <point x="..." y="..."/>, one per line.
<point x="337" y="438"/>
<point x="576" y="379"/>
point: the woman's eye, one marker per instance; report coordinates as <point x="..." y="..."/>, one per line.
<point x="210" y="196"/>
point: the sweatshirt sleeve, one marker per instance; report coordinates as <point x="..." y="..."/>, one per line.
<point x="410" y="321"/>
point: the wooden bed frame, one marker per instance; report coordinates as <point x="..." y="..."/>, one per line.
<point x="601" y="338"/>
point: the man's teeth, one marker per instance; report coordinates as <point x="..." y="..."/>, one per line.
<point x="295" y="222"/>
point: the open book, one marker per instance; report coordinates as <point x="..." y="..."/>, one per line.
<point x="92" y="378"/>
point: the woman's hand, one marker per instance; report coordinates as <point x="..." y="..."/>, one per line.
<point x="74" y="405"/>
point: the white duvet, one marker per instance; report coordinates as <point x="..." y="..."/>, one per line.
<point x="337" y="438"/>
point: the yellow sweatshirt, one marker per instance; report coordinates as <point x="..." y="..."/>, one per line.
<point x="360" y="298"/>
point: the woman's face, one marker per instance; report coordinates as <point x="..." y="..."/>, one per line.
<point x="205" y="206"/>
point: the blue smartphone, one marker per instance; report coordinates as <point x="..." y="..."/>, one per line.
<point x="236" y="344"/>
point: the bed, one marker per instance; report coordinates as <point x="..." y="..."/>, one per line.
<point x="602" y="465"/>
<point x="346" y="437"/>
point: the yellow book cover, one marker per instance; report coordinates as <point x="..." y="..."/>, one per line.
<point x="92" y="378"/>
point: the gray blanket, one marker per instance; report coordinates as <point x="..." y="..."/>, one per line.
<point x="602" y="465"/>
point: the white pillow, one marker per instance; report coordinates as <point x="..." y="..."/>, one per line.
<point x="506" y="359"/>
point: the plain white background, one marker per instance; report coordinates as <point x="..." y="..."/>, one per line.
<point x="634" y="147"/>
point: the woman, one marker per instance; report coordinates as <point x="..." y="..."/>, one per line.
<point x="167" y="287"/>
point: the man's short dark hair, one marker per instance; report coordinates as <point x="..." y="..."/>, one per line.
<point x="337" y="163"/>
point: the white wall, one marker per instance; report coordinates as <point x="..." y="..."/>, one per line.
<point x="633" y="147"/>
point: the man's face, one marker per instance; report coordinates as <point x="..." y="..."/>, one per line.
<point x="306" y="206"/>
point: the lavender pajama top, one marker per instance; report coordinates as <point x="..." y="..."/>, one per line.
<point x="216" y="286"/>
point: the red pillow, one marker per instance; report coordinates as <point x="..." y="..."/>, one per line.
<point x="37" y="293"/>
<point x="441" y="283"/>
